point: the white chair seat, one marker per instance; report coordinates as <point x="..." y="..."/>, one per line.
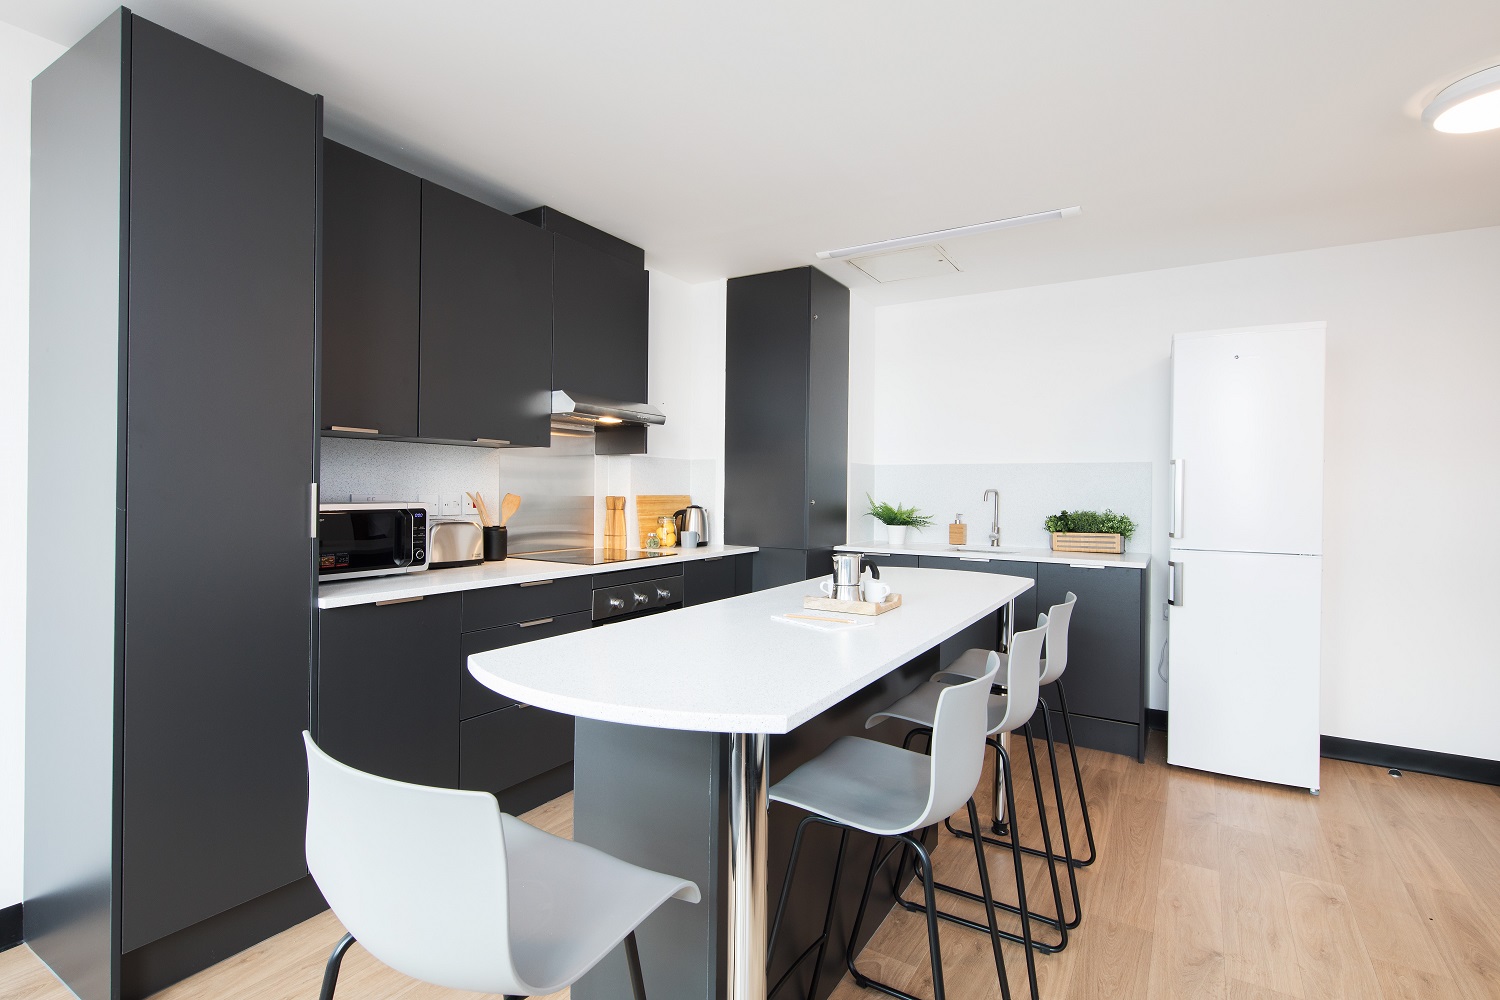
<point x="863" y="784"/>
<point x="571" y="904"/>
<point x="920" y="707"/>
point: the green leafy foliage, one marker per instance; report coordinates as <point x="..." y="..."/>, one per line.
<point x="896" y="514"/>
<point x="1091" y="521"/>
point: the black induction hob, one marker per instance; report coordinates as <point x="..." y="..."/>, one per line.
<point x="593" y="557"/>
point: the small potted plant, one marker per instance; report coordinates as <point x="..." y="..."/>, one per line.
<point x="897" y="519"/>
<point x="1089" y="531"/>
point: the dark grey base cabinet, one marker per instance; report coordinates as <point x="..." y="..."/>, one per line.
<point x="388" y="695"/>
<point x="778" y="567"/>
<point x="1106" y="679"/>
<point x="716" y="578"/>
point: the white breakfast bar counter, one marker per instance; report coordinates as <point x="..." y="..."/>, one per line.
<point x="673" y="753"/>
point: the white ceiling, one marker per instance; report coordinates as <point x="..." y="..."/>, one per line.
<point x="731" y="138"/>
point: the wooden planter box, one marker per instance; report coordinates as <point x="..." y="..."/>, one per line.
<point x="1081" y="541"/>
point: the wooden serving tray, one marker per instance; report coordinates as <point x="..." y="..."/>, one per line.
<point x="852" y="607"/>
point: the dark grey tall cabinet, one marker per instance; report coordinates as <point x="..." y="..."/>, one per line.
<point x="173" y="452"/>
<point x="786" y="421"/>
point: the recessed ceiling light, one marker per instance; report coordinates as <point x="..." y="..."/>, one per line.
<point x="923" y="239"/>
<point x="1470" y="105"/>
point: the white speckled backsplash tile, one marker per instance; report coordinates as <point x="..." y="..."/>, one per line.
<point x="402" y="470"/>
<point x="1028" y="494"/>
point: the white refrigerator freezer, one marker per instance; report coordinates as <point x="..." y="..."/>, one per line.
<point x="1246" y="565"/>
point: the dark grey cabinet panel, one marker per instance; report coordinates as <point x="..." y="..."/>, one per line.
<point x="709" y="580"/>
<point x="388" y="693"/>
<point x="218" y="596"/>
<point x="475" y="698"/>
<point x="372" y="226"/>
<point x="883" y="559"/>
<point x="494" y="606"/>
<point x="786" y="410"/>
<point x="486" y="324"/>
<point x="600" y="312"/>
<point x="505" y="748"/>
<point x="1106" y="674"/>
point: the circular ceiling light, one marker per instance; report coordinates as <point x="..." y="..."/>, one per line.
<point x="1470" y="105"/>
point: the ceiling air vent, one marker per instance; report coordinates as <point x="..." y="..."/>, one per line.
<point x="929" y="261"/>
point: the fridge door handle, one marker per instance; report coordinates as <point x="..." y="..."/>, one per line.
<point x="1174" y="584"/>
<point x="1176" y="531"/>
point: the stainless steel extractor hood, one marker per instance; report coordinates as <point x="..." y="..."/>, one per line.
<point x="593" y="411"/>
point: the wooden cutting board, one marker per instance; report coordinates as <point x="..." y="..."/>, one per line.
<point x="650" y="506"/>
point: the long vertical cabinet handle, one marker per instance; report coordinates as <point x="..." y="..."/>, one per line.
<point x="1174" y="584"/>
<point x="1177" y="466"/>
<point x="312" y="522"/>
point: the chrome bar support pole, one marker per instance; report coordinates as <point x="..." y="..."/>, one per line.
<point x="1007" y="634"/>
<point x="748" y="805"/>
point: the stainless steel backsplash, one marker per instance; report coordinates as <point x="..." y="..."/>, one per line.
<point x="556" y="487"/>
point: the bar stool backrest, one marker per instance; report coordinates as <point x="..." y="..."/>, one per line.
<point x="958" y="732"/>
<point x="1059" y="615"/>
<point x="1022" y="681"/>
<point x="416" y="874"/>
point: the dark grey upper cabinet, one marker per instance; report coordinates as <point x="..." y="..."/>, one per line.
<point x="600" y="311"/>
<point x="786" y="410"/>
<point x="486" y="322"/>
<point x="372" y="244"/>
<point x="217" y="593"/>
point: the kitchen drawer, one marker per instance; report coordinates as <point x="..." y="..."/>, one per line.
<point x="505" y="748"/>
<point x="524" y="602"/>
<point x="475" y="698"/>
<point x="709" y="580"/>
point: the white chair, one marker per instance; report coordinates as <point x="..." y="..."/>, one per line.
<point x="439" y="884"/>
<point x="859" y="784"/>
<point x="1005" y="713"/>
<point x="1053" y="665"/>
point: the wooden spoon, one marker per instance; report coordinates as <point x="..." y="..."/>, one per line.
<point x="484" y="513"/>
<point x="509" y="504"/>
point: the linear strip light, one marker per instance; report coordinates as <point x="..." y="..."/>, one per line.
<point x="948" y="234"/>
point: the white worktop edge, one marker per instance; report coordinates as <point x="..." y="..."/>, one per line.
<point x="1127" y="560"/>
<point x="506" y="573"/>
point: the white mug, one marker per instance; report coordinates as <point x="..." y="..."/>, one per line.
<point x="875" y="592"/>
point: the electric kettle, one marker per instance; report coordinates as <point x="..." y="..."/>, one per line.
<point x="693" y="518"/>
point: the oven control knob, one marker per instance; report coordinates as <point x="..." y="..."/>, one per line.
<point x="663" y="593"/>
<point x="617" y="602"/>
<point x="640" y="598"/>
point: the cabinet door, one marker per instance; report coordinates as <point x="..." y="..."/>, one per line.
<point x="219" y="440"/>
<point x="372" y="242"/>
<point x="828" y="412"/>
<point x="766" y="413"/>
<point x="1105" y="676"/>
<point x="504" y="748"/>
<point x="388" y="695"/>
<point x="486" y="327"/>
<point x="709" y="580"/>
<point x="599" y="323"/>
<point x="475" y="698"/>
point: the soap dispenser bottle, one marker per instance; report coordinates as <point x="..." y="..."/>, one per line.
<point x="958" y="532"/>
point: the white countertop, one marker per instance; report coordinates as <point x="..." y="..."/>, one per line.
<point x="728" y="667"/>
<point x="1127" y="560"/>
<point x="514" y="570"/>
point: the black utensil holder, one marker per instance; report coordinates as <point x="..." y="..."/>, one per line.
<point x="495" y="544"/>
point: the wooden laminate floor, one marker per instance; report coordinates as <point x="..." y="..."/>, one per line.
<point x="1206" y="887"/>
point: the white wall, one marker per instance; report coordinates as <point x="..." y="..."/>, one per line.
<point x="22" y="56"/>
<point x="1078" y="372"/>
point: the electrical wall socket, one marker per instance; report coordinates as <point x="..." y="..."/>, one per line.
<point x="453" y="505"/>
<point x="469" y="509"/>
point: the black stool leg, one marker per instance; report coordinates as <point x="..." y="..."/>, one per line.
<point x="989" y="909"/>
<point x="1083" y="802"/>
<point x="786" y="887"/>
<point x="633" y="960"/>
<point x="924" y="860"/>
<point x="1025" y="914"/>
<point x="331" y="970"/>
<point x="833" y="896"/>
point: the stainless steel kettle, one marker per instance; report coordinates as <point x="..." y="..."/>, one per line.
<point x="693" y="518"/>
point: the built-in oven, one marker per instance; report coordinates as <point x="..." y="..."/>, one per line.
<point x="644" y="594"/>
<point x="371" y="539"/>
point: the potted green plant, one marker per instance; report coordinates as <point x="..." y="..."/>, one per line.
<point x="897" y="519"/>
<point x="1089" y="531"/>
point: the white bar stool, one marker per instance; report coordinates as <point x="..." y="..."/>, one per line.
<point x="439" y="884"/>
<point x="875" y="788"/>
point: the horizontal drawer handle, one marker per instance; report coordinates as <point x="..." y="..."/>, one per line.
<point x="712" y="558"/>
<point x="495" y="441"/>
<point x="972" y="559"/>
<point x="538" y="621"/>
<point x="1087" y="566"/>
<point x="398" y="600"/>
<point x="538" y="583"/>
<point x="354" y="430"/>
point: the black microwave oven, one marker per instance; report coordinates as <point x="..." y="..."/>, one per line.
<point x="371" y="539"/>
